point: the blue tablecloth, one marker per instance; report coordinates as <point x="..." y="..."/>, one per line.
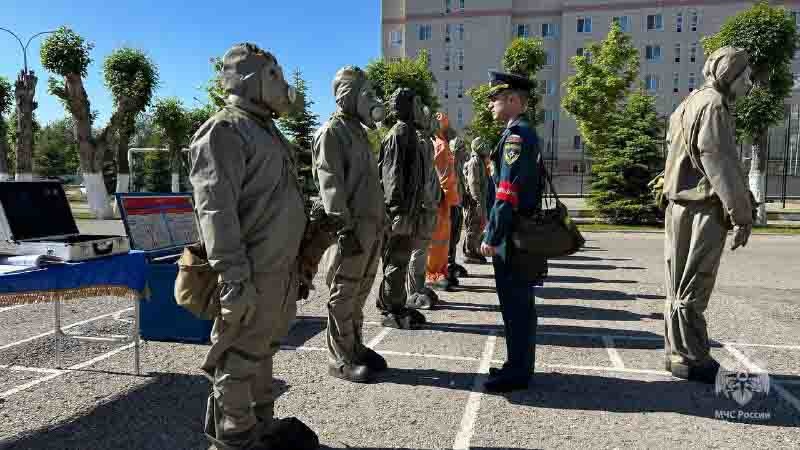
<point x="120" y="276"/>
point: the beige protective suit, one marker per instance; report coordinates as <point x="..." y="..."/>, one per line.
<point x="708" y="195"/>
<point x="252" y="219"/>
<point x="477" y="185"/>
<point x="349" y="185"/>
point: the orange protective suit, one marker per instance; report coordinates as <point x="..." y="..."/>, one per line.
<point x="444" y="162"/>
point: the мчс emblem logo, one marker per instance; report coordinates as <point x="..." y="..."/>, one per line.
<point x="742" y="386"/>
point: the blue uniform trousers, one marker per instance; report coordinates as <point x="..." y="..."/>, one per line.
<point x="518" y="307"/>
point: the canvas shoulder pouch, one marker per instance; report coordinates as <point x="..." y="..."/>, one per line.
<point x="196" y="286"/>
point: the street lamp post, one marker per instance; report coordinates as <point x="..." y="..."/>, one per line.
<point x="25" y="46"/>
<point x="25" y="90"/>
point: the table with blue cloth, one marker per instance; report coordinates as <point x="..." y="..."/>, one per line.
<point x="122" y="276"/>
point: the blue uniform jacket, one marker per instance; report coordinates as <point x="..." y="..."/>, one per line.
<point x="517" y="179"/>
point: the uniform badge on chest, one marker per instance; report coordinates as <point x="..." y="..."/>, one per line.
<point x="512" y="149"/>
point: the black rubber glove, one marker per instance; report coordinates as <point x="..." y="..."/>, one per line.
<point x="348" y="244"/>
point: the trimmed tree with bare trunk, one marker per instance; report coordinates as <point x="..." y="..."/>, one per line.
<point x="67" y="54"/>
<point x="132" y="77"/>
<point x="769" y="34"/>
<point x="5" y="105"/>
<point x="174" y="122"/>
<point x="24" y="92"/>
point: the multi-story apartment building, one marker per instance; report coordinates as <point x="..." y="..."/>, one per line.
<point x="466" y="38"/>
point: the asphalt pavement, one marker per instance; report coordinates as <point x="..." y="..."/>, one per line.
<point x="599" y="380"/>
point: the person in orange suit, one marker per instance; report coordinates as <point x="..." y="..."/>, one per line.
<point x="444" y="161"/>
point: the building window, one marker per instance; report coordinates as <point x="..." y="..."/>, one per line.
<point x="446" y="90"/>
<point x="549" y="58"/>
<point x="674" y="106"/>
<point x="395" y="59"/>
<point x="692" y="82"/>
<point x="461" y="4"/>
<point x="796" y="17"/>
<point x="653" y="53"/>
<point x="523" y="31"/>
<point x="447" y="59"/>
<point x="460" y="59"/>
<point x="460" y="88"/>
<point x="396" y="38"/>
<point x="796" y="77"/>
<point x="460" y="31"/>
<point x="424" y="32"/>
<point x="695" y="20"/>
<point x="651" y="82"/>
<point x="584" y="24"/>
<point x="679" y="22"/>
<point x="655" y="22"/>
<point x="693" y="53"/>
<point x="549" y="115"/>
<point x="447" y="32"/>
<point x="624" y="22"/>
<point x="677" y="53"/>
<point x="676" y="82"/>
<point x="579" y="51"/>
<point x="547" y="87"/>
<point x="460" y="117"/>
<point x="576" y="142"/>
<point x="448" y="4"/>
<point x="549" y="30"/>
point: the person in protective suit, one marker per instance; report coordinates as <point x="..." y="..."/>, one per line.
<point x="460" y="156"/>
<point x="477" y="181"/>
<point x="438" y="277"/>
<point x="246" y="194"/>
<point x="708" y="195"/>
<point x="419" y="295"/>
<point x="349" y="185"/>
<point x="402" y="172"/>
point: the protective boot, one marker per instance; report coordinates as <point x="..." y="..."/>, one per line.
<point x="706" y="373"/>
<point x="497" y="371"/>
<point x="419" y="301"/>
<point x="290" y="434"/>
<point x="355" y="373"/>
<point x="374" y="361"/>
<point x="431" y="294"/>
<point x="507" y="382"/>
<point x="407" y="319"/>
<point x="458" y="270"/>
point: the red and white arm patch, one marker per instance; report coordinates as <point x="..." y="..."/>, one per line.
<point x="507" y="192"/>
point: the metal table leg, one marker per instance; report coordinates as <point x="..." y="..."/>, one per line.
<point x="136" y="336"/>
<point x="57" y="333"/>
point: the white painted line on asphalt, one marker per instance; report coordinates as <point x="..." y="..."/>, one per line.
<point x="16" y="368"/>
<point x="428" y="355"/>
<point x="377" y="339"/>
<point x="777" y="346"/>
<point x="775" y="384"/>
<point x="464" y="436"/>
<point x="9" y="308"/>
<point x="80" y="366"/>
<point x="616" y="360"/>
<point x="608" y="369"/>
<point x="76" y="324"/>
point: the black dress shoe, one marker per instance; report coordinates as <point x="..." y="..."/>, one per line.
<point x="506" y="383"/>
<point x="355" y="373"/>
<point x="460" y="271"/>
<point x="374" y="361"/>
<point x="416" y="317"/>
<point x="431" y="294"/>
<point x="705" y="373"/>
<point x="497" y="371"/>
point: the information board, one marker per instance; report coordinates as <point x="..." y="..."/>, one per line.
<point x="156" y="221"/>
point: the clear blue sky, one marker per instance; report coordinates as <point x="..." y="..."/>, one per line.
<point x="316" y="36"/>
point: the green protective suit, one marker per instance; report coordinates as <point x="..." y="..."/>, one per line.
<point x="708" y="195"/>
<point x="349" y="184"/>
<point x="246" y="194"/>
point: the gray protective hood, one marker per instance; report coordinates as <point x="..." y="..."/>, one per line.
<point x="401" y="104"/>
<point x="347" y="86"/>
<point x="723" y="67"/>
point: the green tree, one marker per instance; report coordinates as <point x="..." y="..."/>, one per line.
<point x="524" y="56"/>
<point x="770" y="36"/>
<point x="387" y="76"/>
<point x="5" y="104"/>
<point x="67" y="54"/>
<point x="132" y="77"/>
<point x="619" y="126"/>
<point x="214" y="87"/>
<point x="174" y="121"/>
<point x="299" y="125"/>
<point x="56" y="152"/>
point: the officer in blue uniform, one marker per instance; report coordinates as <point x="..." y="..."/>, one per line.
<point x="516" y="161"/>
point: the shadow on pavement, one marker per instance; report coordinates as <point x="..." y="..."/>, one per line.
<point x="579" y="267"/>
<point x="165" y="413"/>
<point x="564" y="293"/>
<point x="304" y="330"/>
<point x="588" y="258"/>
<point x="599" y="393"/>
<point x="587" y="313"/>
<point x="579" y="279"/>
<point x="443" y="304"/>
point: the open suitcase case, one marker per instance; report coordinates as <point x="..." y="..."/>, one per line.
<point x="36" y="219"/>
